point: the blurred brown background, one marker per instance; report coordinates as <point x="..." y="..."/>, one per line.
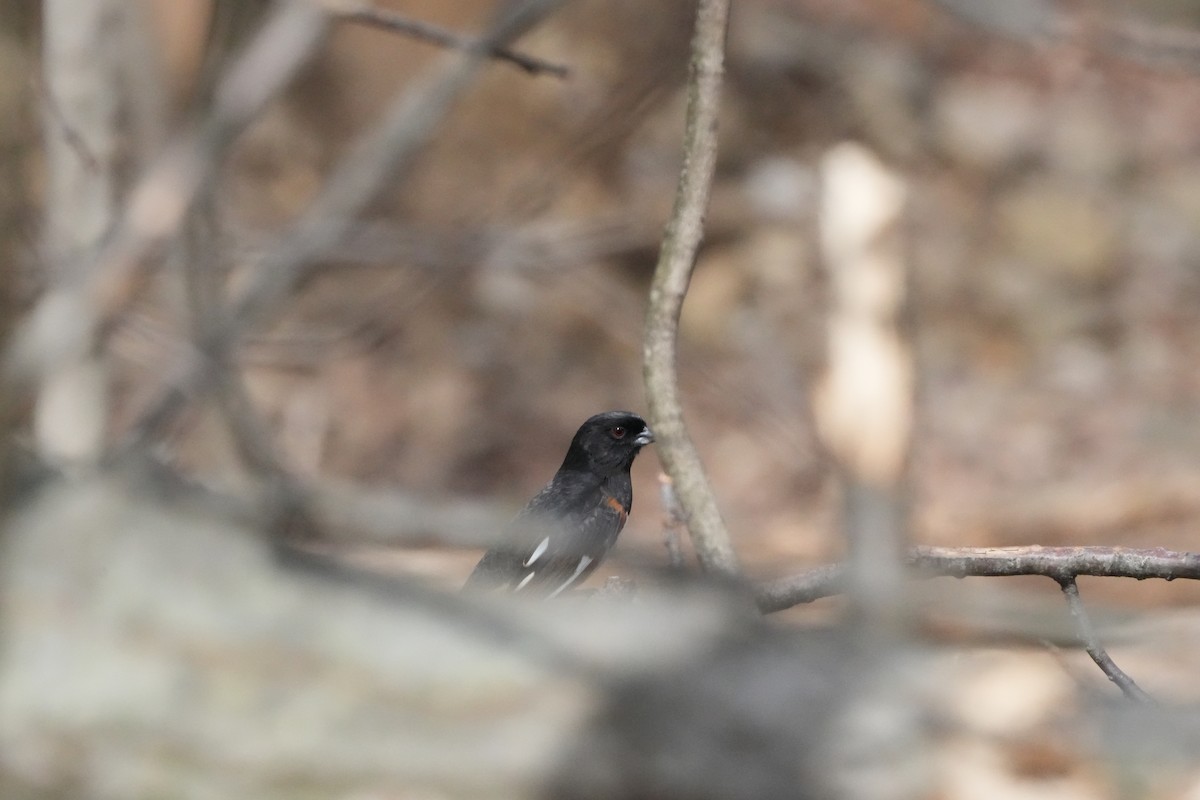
<point x="495" y="299"/>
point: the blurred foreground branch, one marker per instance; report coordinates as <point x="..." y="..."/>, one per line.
<point x="187" y="660"/>
<point x="268" y="676"/>
<point x="204" y="274"/>
<point x="676" y="261"/>
<point x="73" y="319"/>
<point x="380" y="158"/>
<point x="88" y="101"/>
<point x="1123" y="35"/>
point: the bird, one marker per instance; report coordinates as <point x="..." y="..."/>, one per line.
<point x="567" y="529"/>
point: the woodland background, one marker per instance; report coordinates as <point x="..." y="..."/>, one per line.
<point x="494" y="299"/>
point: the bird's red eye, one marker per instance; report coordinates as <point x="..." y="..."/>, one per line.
<point x="618" y="432"/>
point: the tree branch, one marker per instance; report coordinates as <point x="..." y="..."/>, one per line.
<point x="1152" y="44"/>
<point x="366" y="14"/>
<point x="805" y="587"/>
<point x="671" y="277"/>
<point x="1058" y="563"/>
<point x="379" y="159"/>
<point x="72" y="320"/>
<point x="85" y="102"/>
<point x="203" y="282"/>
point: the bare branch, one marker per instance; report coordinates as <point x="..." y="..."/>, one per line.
<point x="1152" y="45"/>
<point x="1091" y="643"/>
<point x="16" y="125"/>
<point x="1126" y="37"/>
<point x="284" y="500"/>
<point x="380" y="158"/>
<point x="202" y="291"/>
<point x="669" y="287"/>
<point x="55" y="117"/>
<point x="344" y="513"/>
<point x="366" y="14"/>
<point x="71" y="320"/>
<point x="1058" y="563"/>
<point x="84" y="100"/>
<point x="810" y="585"/>
<point x="367" y="515"/>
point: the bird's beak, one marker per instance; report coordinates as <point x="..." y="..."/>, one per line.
<point x="644" y="438"/>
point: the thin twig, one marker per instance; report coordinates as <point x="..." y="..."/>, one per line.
<point x="1069" y="667"/>
<point x="443" y="37"/>
<point x="669" y="287"/>
<point x="1091" y="643"/>
<point x="1059" y="563"/>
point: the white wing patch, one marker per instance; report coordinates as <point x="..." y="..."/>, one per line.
<point x="537" y="553"/>
<point x="583" y="563"/>
<point x="525" y="580"/>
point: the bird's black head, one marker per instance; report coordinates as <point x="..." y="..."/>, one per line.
<point x="607" y="443"/>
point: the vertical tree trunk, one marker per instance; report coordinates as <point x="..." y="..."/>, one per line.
<point x="96" y="111"/>
<point x="18" y="22"/>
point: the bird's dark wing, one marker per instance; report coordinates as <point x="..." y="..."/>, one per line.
<point x="557" y="541"/>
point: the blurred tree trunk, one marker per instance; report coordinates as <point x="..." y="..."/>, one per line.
<point x="98" y="112"/>
<point x="18" y="23"/>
